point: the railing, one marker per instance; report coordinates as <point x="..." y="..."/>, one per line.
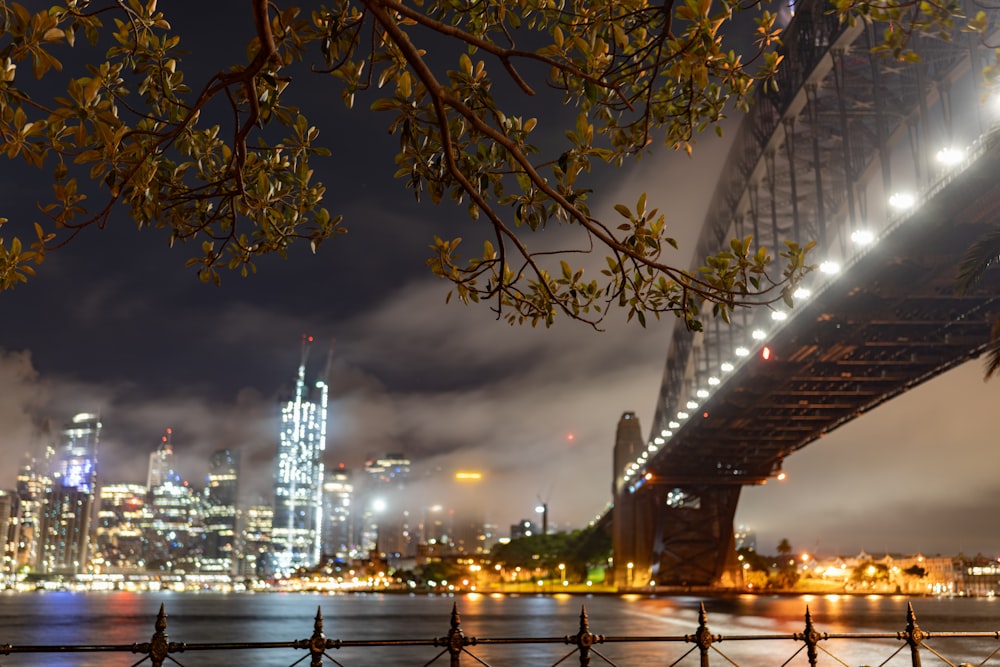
<point x="904" y="647"/>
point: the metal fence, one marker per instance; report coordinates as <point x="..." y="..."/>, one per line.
<point x="810" y="646"/>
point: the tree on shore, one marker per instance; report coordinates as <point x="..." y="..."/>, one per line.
<point x="227" y="166"/>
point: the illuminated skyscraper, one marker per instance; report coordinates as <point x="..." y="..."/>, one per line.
<point x="338" y="496"/>
<point x="385" y="524"/>
<point x="76" y="464"/>
<point x="221" y="492"/>
<point x="69" y="504"/>
<point x="298" y="475"/>
<point x="161" y="462"/>
<point x="120" y="514"/>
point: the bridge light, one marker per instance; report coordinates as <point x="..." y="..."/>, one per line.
<point x="949" y="156"/>
<point x="702" y="393"/>
<point x="779" y="316"/>
<point x="667" y="434"/>
<point x="863" y="237"/>
<point x="726" y="367"/>
<point x="802" y="293"/>
<point x="704" y="415"/>
<point x="902" y="200"/>
<point x="829" y="267"/>
<point x="713" y="381"/>
<point x="782" y="476"/>
<point x="742" y="351"/>
<point x="758" y="334"/>
<point x="674" y="424"/>
<point x="691" y="405"/>
<point x="657" y="440"/>
<point x="765" y="353"/>
<point x="682" y="415"/>
<point x="649" y="476"/>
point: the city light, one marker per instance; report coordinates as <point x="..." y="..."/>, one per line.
<point x="829" y="267"/>
<point x="468" y="476"/>
<point x="862" y="237"/>
<point x="902" y="201"/>
<point x="950" y="156"/>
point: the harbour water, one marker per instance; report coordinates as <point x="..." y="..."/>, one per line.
<point x="64" y="618"/>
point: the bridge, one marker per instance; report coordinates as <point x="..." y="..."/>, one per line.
<point x="894" y="170"/>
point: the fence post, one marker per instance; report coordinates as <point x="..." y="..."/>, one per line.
<point x="811" y="638"/>
<point x="159" y="647"/>
<point x="317" y="643"/>
<point x="703" y="637"/>
<point x="455" y="640"/>
<point x="913" y="634"/>
<point x="584" y="639"/>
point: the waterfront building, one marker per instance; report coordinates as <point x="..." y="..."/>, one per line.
<point x="33" y="486"/>
<point x="296" y="532"/>
<point x="338" y="528"/>
<point x="173" y="528"/>
<point x="69" y="504"/>
<point x="221" y="495"/>
<point x="255" y="555"/>
<point x="9" y="535"/>
<point x="121" y="512"/>
<point x="385" y="522"/>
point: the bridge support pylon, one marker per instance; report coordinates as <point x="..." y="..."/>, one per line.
<point x="676" y="537"/>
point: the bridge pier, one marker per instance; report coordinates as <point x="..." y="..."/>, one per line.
<point x="667" y="533"/>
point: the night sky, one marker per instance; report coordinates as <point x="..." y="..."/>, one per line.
<point x="115" y="324"/>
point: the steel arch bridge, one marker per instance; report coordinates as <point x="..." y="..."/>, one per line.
<point x="819" y="158"/>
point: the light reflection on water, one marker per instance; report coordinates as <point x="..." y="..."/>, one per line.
<point x="126" y="618"/>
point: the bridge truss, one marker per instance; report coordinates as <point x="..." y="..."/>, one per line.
<point x="818" y="159"/>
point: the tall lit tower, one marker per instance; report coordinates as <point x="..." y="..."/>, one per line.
<point x="66" y="513"/>
<point x="76" y="465"/>
<point x="161" y="462"/>
<point x="221" y="491"/>
<point x="298" y="474"/>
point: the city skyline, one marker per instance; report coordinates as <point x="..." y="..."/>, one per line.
<point x="114" y="324"/>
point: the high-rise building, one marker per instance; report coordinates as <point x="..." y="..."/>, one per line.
<point x="173" y="528"/>
<point x="221" y="491"/>
<point x="385" y="523"/>
<point x="68" y="506"/>
<point x="120" y="516"/>
<point x="9" y="535"/>
<point x="161" y="462"/>
<point x="33" y="486"/>
<point x="255" y="553"/>
<point x="338" y="498"/>
<point x="76" y="462"/>
<point x="298" y="475"/>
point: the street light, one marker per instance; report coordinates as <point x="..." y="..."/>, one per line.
<point x="562" y="574"/>
<point x="630" y="565"/>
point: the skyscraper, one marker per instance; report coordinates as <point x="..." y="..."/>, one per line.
<point x="161" y="462"/>
<point x="76" y="464"/>
<point x="220" y="511"/>
<point x="298" y="475"/>
<point x="66" y="516"/>
<point x="384" y="525"/>
<point x="338" y="496"/>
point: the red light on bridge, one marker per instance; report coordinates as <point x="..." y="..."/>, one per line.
<point x="765" y="353"/>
